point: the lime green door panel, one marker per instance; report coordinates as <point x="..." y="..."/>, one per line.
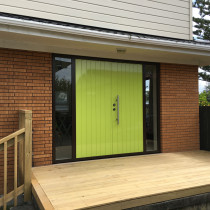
<point x="97" y="85"/>
<point x="93" y="116"/>
<point x="127" y="85"/>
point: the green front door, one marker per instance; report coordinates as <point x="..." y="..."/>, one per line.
<point x="109" y="108"/>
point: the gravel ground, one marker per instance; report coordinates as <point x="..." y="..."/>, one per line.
<point x="21" y="205"/>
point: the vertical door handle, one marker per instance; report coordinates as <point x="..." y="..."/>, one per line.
<point x="118" y="106"/>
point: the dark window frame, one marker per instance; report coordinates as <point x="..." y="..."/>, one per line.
<point x="73" y="98"/>
<point x="157" y="103"/>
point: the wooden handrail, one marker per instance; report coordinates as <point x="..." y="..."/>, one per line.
<point x="12" y="136"/>
<point x="21" y="139"/>
<point x="10" y="143"/>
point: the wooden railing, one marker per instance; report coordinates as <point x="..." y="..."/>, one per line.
<point x="22" y="142"/>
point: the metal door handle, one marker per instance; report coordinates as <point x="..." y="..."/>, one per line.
<point x="118" y="106"/>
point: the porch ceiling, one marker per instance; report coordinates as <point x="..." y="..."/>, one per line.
<point x="36" y="36"/>
<point x="121" y="183"/>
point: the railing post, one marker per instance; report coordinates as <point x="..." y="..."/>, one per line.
<point x="21" y="149"/>
<point x="25" y="120"/>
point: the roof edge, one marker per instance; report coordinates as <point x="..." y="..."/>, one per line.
<point x="100" y="34"/>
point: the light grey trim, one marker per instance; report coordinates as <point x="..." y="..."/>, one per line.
<point x="45" y="37"/>
<point x="44" y="29"/>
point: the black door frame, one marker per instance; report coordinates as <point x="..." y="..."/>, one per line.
<point x="73" y="99"/>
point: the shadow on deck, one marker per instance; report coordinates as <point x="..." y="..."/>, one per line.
<point x="121" y="183"/>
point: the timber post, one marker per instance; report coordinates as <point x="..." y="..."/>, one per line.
<point x="25" y="158"/>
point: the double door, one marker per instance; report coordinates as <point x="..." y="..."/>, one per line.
<point x="109" y="108"/>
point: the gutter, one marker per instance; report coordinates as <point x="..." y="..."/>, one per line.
<point x="29" y="24"/>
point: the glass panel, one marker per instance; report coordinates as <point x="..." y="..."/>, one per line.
<point x="63" y="113"/>
<point x="151" y="107"/>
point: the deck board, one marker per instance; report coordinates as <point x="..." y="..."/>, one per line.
<point x="126" y="182"/>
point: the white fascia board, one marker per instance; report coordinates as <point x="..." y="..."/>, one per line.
<point x="65" y="32"/>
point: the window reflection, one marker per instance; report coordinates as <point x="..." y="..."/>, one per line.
<point x="63" y="114"/>
<point x="151" y="107"/>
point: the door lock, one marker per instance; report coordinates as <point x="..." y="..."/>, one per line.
<point x="114" y="104"/>
<point x="114" y="109"/>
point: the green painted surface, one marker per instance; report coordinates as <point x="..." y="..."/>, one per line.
<point x="97" y="85"/>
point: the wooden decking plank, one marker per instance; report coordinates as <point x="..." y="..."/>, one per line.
<point x="40" y="196"/>
<point x="124" y="182"/>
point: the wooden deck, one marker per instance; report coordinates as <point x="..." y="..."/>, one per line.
<point x="121" y="183"/>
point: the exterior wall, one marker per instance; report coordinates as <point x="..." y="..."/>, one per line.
<point x="159" y="17"/>
<point x="25" y="83"/>
<point x="179" y="108"/>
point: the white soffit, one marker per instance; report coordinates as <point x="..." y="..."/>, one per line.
<point x="46" y="37"/>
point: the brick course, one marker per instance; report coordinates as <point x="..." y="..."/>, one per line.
<point x="26" y="83"/>
<point x="179" y="108"/>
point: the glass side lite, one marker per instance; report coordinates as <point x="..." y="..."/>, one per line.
<point x="63" y="104"/>
<point x="150" y="79"/>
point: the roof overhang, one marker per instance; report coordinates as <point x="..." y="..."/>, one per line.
<point x="46" y="37"/>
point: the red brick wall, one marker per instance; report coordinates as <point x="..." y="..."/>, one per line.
<point x="26" y="83"/>
<point x="179" y="108"/>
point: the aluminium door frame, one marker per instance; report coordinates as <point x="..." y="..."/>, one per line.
<point x="73" y="99"/>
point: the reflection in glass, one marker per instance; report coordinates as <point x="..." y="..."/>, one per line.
<point x="151" y="107"/>
<point x="63" y="114"/>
